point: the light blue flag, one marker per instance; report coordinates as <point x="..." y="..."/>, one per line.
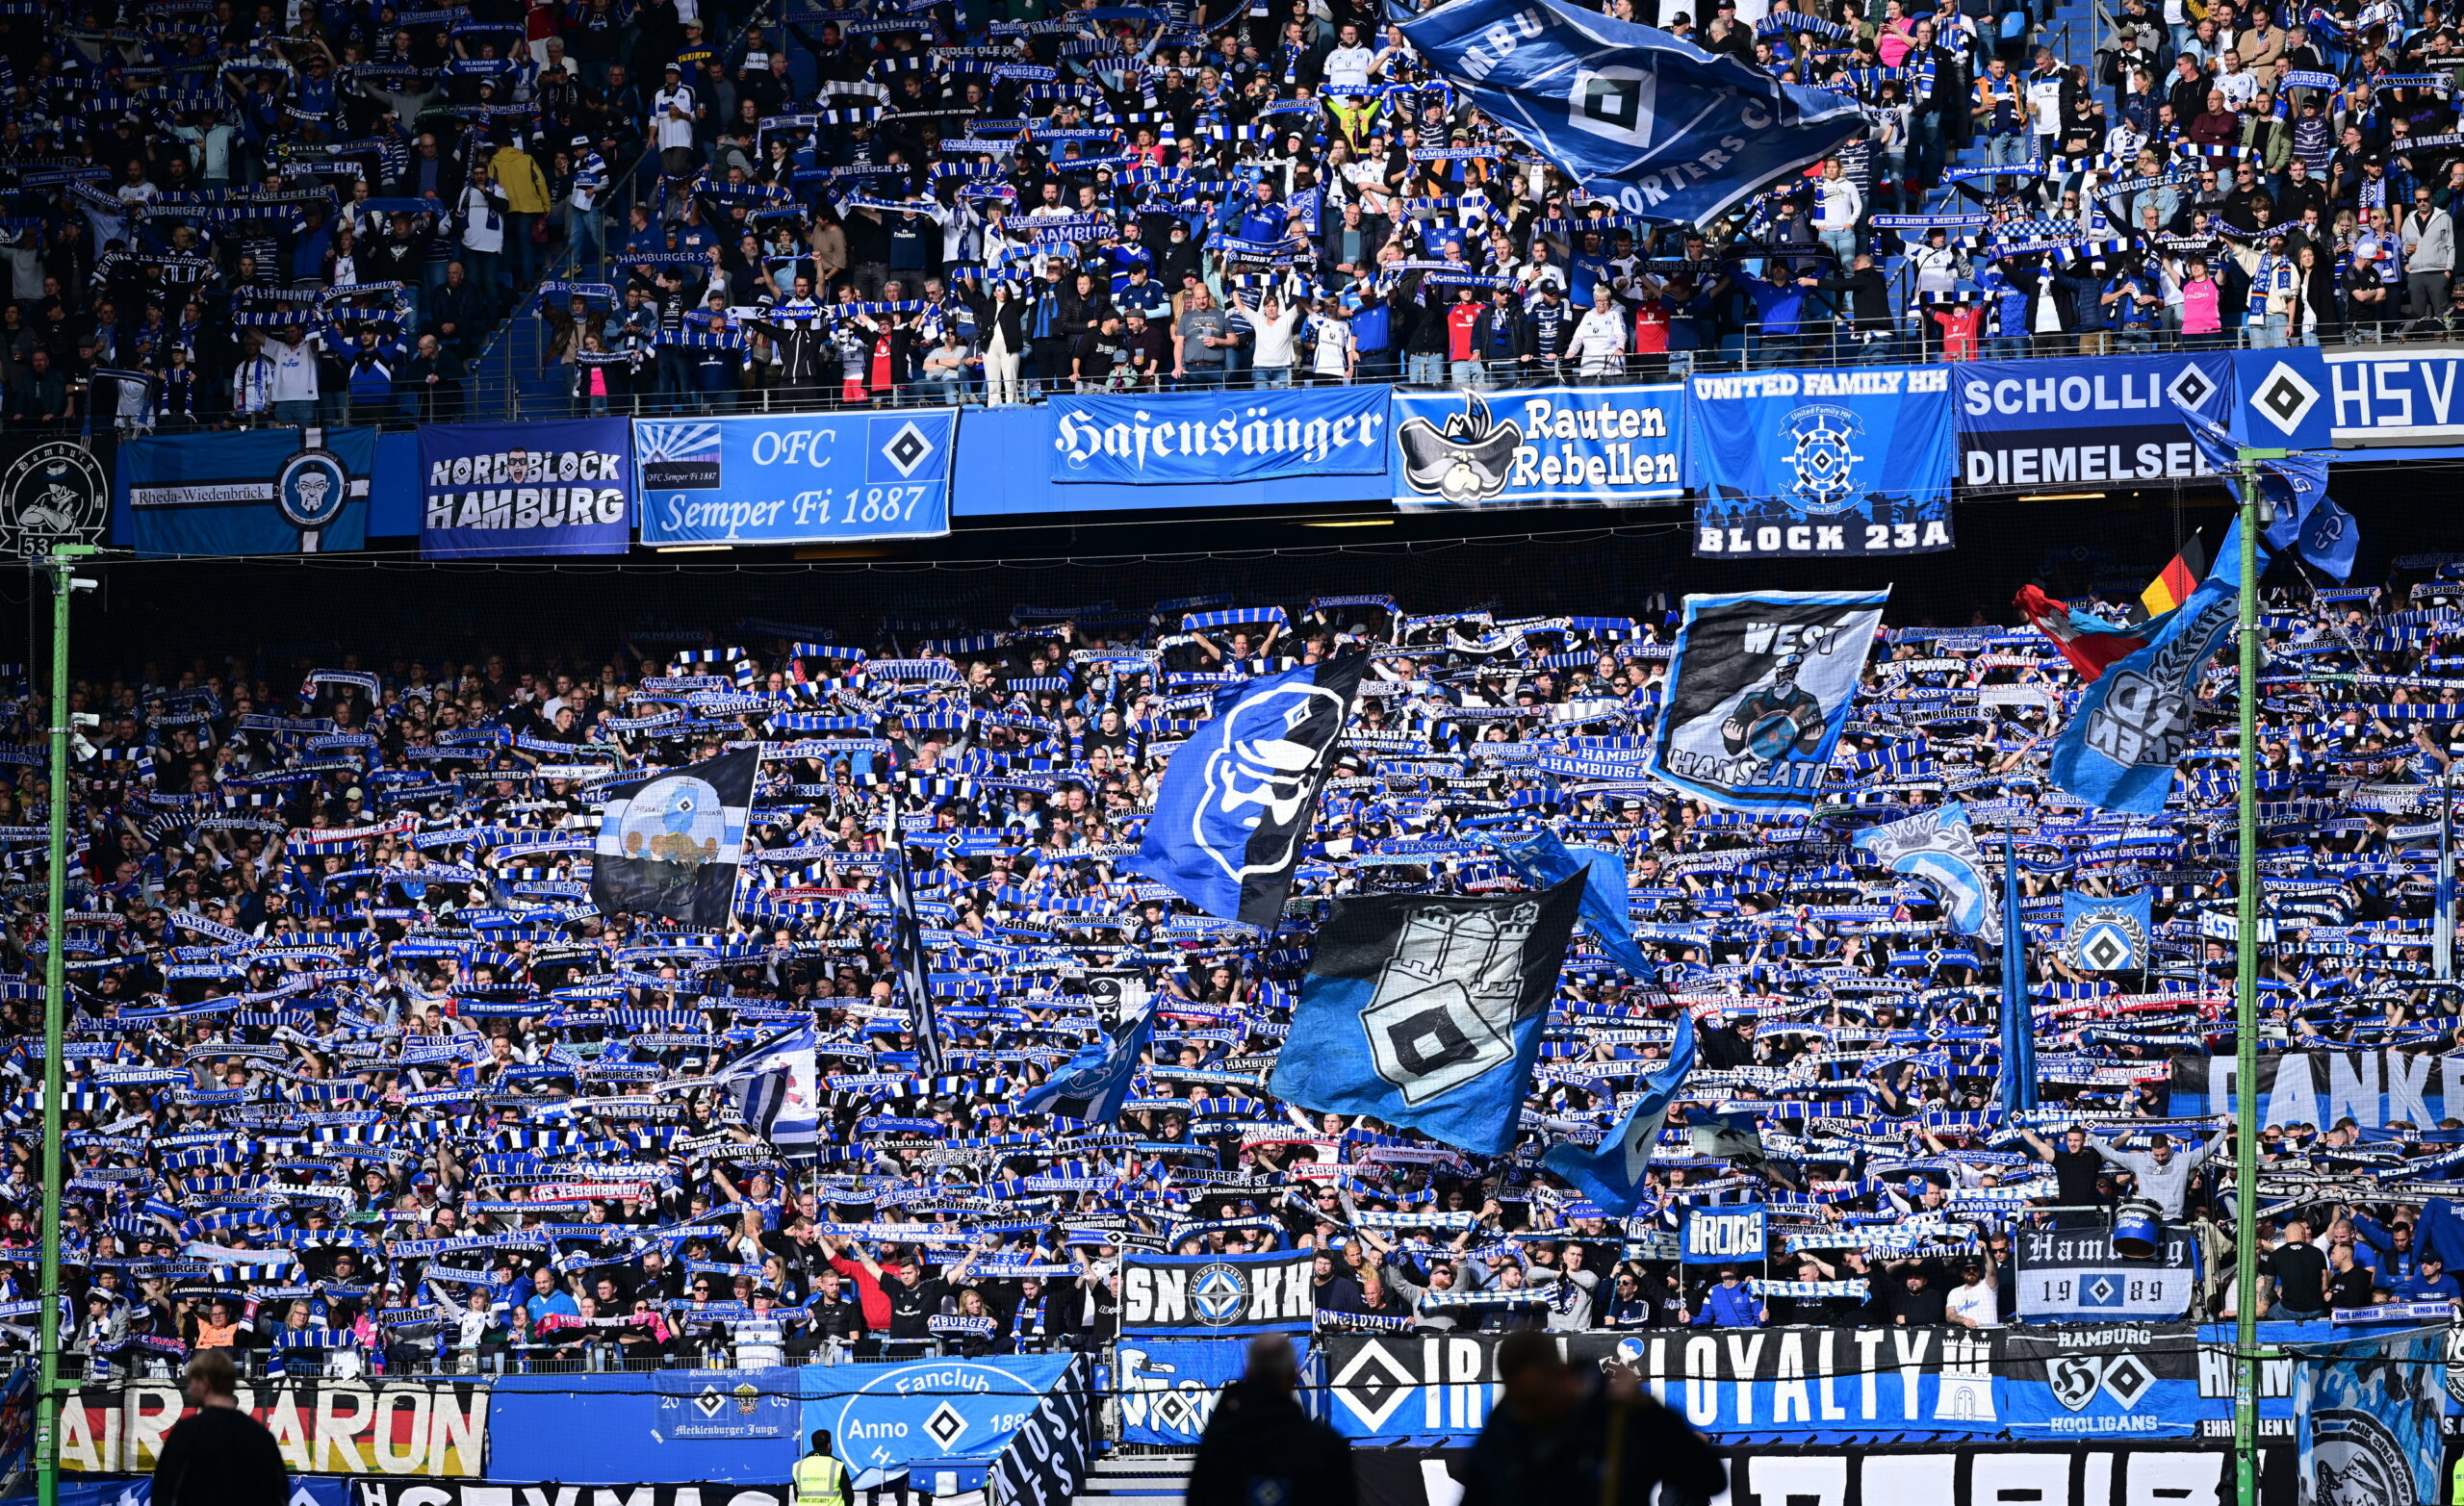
<point x="2019" y="1016"/>
<point x="2305" y="521"/>
<point x="2106" y="935"/>
<point x="1092" y="1085"/>
<point x="777" y="1088"/>
<point x="1544" y="860"/>
<point x="1611" y="1173"/>
<point x="1939" y="846"/>
<point x="2134" y="724"/>
<point x="1640" y="118"/>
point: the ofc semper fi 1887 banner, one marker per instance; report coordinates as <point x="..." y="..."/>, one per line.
<point x="799" y="478"/>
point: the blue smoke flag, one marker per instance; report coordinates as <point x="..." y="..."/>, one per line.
<point x="1940" y="847"/>
<point x="1238" y="798"/>
<point x="2134" y="724"/>
<point x="1544" y="860"/>
<point x="2307" y="520"/>
<point x="1092" y="1084"/>
<point x="777" y="1088"/>
<point x="1611" y="1174"/>
<point x="2367" y="1413"/>
<point x="1640" y="118"/>
<point x="907" y="944"/>
<point x="2019" y="1018"/>
<point x="1425" y="1010"/>
<point x="2106" y="935"/>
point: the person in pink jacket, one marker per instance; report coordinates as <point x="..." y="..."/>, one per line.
<point x="2201" y="318"/>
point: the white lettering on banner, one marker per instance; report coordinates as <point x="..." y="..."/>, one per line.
<point x="523" y="466"/>
<point x="2375" y="1088"/>
<point x="793" y="446"/>
<point x="1987" y="463"/>
<point x="2133" y="1476"/>
<point x="2396" y="400"/>
<point x="1805" y="538"/>
<point x="2102" y="393"/>
<point x="321" y="1427"/>
<point x="527" y="507"/>
<point x="1819" y="384"/>
<point x="1718" y="1236"/>
<point x="1255" y="432"/>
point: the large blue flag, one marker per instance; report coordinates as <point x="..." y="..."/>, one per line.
<point x="2307" y="520"/>
<point x="1641" y="119"/>
<point x="1092" y="1084"/>
<point x="1425" y="1010"/>
<point x="1238" y="798"/>
<point x="1544" y="860"/>
<point x="1611" y="1173"/>
<point x="2134" y="724"/>
<point x="1940" y="847"/>
<point x="2019" y="1018"/>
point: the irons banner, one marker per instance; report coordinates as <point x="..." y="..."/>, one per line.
<point x="386" y="1427"/>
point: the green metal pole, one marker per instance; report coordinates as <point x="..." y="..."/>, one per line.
<point x="61" y="566"/>
<point x="2246" y="1014"/>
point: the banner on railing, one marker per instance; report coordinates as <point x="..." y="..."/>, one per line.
<point x="759" y="1403"/>
<point x="383" y="1427"/>
<point x="1788" y="1385"/>
<point x="1821" y="464"/>
<point x="1540" y="447"/>
<point x="254" y="491"/>
<point x="2077" y="1275"/>
<point x="1169" y="1386"/>
<point x="386" y="1492"/>
<point x="1046" y="1459"/>
<point x="498" y="490"/>
<point x="886" y="1419"/>
<point x="2375" y="1088"/>
<point x="2057" y="425"/>
<point x="1178" y="438"/>
<point x="2394" y="395"/>
<point x="1216" y="1296"/>
<point x="2129" y="1380"/>
<point x="795" y="478"/>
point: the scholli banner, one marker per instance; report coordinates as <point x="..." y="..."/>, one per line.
<point x="1199" y="437"/>
<point x="496" y="490"/>
<point x="1545" y="447"/>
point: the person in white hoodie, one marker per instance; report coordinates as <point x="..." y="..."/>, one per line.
<point x="293" y="389"/>
<point x="1599" y="341"/>
<point x="1276" y="328"/>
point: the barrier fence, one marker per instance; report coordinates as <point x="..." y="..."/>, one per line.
<point x="1829" y="462"/>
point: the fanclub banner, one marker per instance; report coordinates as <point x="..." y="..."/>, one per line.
<point x="2086" y="424"/>
<point x="1169" y="1386"/>
<point x="250" y="492"/>
<point x="2076" y="1276"/>
<point x="887" y="1419"/>
<point x="1542" y="446"/>
<point x="1821" y="464"/>
<point x="727" y="1404"/>
<point x="503" y="491"/>
<point x="1215" y="1296"/>
<point x="1784" y="1385"/>
<point x="1211" y="436"/>
<point x="795" y="478"/>
<point x="379" y="1428"/>
<point x="2375" y="1088"/>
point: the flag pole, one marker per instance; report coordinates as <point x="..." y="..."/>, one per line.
<point x="61" y="566"/>
<point x="2245" y="1004"/>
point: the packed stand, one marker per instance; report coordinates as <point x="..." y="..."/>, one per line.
<point x="359" y="1080"/>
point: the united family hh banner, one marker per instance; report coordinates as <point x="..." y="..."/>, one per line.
<point x="250" y="492"/>
<point x="1640" y="118"/>
<point x="1425" y="1010"/>
<point x="1209" y="436"/>
<point x="499" y="490"/>
<point x="1757" y="693"/>
<point x="1822" y="464"/>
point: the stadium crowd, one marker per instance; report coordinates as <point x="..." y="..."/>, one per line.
<point x="359" y="1078"/>
<point x="320" y="212"/>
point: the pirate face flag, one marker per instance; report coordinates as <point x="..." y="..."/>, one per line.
<point x="1240" y="795"/>
<point x="1425" y="1010"/>
<point x="1757" y="693"/>
<point x="670" y="844"/>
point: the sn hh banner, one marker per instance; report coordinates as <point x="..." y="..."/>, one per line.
<point x="801" y="478"/>
<point x="493" y="491"/>
<point x="1201" y="437"/>
<point x="1822" y="464"/>
<point x="1545" y="447"/>
<point x="2318" y="1087"/>
<point x="1204" y="1295"/>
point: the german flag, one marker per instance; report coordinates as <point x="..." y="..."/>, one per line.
<point x="2174" y="583"/>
